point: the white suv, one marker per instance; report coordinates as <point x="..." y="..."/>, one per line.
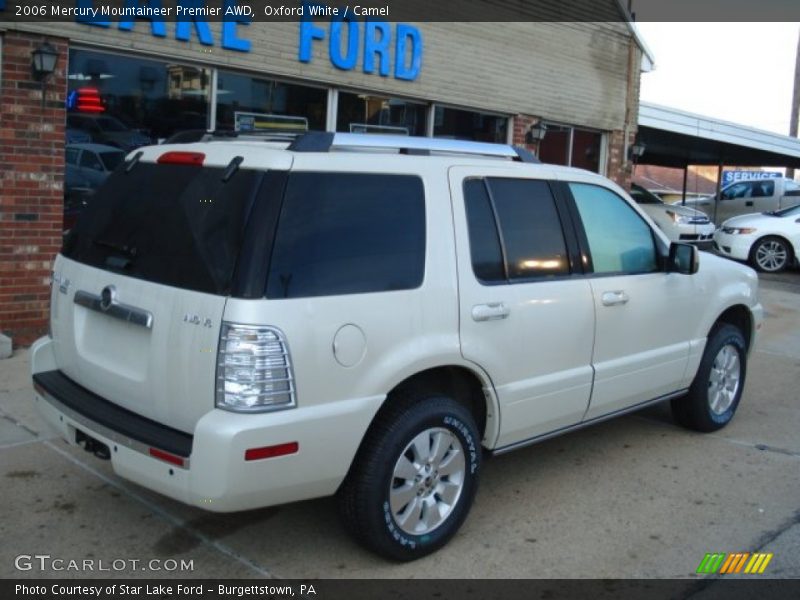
<point x="242" y="323"/>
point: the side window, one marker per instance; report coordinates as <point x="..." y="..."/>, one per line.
<point x="91" y="161"/>
<point x="529" y="242"/>
<point x="739" y="190"/>
<point x="71" y="156"/>
<point x="763" y="189"/>
<point x="619" y="239"/>
<point x="348" y="233"/>
<point x="792" y="189"/>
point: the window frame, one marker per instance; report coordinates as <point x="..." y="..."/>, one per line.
<point x="583" y="240"/>
<point x="571" y="244"/>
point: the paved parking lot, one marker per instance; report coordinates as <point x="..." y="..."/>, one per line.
<point x="634" y="497"/>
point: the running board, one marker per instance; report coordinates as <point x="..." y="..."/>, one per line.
<point x="582" y="424"/>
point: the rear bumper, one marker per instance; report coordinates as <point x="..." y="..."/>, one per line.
<point x="214" y="474"/>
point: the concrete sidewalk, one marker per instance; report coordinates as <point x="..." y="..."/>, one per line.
<point x="633" y="497"/>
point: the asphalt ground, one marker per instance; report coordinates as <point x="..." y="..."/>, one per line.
<point x="636" y="497"/>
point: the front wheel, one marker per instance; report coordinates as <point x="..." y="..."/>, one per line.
<point x="771" y="254"/>
<point x="714" y="395"/>
<point x="414" y="478"/>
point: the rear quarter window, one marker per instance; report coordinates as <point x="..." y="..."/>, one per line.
<point x="348" y="233"/>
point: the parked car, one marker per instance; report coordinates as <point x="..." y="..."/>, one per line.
<point x="745" y="197"/>
<point x="92" y="162"/>
<point x="237" y="324"/>
<point x="769" y="241"/>
<point x="679" y="223"/>
<point x="108" y="130"/>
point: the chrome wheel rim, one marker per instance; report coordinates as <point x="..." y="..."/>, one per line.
<point x="771" y="255"/>
<point x="427" y="481"/>
<point x="723" y="382"/>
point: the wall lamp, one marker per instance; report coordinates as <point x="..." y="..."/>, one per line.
<point x="43" y="64"/>
<point x="536" y="133"/>
<point x="636" y="150"/>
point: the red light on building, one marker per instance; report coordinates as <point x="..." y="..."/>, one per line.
<point x="89" y="100"/>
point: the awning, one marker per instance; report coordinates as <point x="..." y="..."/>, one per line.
<point x="674" y="138"/>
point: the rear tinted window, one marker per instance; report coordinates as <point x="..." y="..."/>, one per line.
<point x="348" y="233"/>
<point x="177" y="225"/>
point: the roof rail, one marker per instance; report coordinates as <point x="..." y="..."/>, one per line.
<point x="201" y="135"/>
<point x="318" y="141"/>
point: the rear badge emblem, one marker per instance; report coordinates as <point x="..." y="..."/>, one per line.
<point x="196" y="320"/>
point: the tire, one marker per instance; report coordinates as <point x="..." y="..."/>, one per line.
<point x="387" y="500"/>
<point x="714" y="395"/>
<point x="771" y="254"/>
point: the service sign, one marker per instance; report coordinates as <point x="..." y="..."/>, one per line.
<point x="729" y="177"/>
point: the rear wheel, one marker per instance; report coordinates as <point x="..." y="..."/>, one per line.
<point x="714" y="396"/>
<point x="415" y="476"/>
<point x="771" y="254"/>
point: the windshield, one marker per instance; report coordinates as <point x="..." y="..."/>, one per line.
<point x="792" y="211"/>
<point x="111" y="159"/>
<point x="643" y="196"/>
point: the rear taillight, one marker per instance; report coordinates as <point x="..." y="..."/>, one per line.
<point x="254" y="369"/>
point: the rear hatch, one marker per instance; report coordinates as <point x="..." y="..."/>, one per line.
<point x="143" y="278"/>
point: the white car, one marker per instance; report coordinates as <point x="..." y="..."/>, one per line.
<point x="242" y="323"/>
<point x="769" y="241"/>
<point x="679" y="223"/>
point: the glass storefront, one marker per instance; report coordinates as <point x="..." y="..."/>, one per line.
<point x="364" y="113"/>
<point x="467" y="125"/>
<point x="253" y="103"/>
<point x="127" y="102"/>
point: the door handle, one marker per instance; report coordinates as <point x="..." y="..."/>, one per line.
<point x="492" y="311"/>
<point x="749" y="203"/>
<point x="615" y="298"/>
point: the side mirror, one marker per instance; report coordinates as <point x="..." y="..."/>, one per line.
<point x="683" y="259"/>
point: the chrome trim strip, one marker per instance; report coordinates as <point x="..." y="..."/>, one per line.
<point x="123" y="312"/>
<point x="582" y="424"/>
<point x="94" y="427"/>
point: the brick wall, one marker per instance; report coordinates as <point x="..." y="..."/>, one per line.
<point x="619" y="168"/>
<point x="31" y="184"/>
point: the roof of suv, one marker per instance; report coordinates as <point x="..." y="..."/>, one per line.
<point x="278" y="151"/>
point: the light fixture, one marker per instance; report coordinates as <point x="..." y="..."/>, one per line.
<point x="43" y="64"/>
<point x="636" y="150"/>
<point x="536" y="133"/>
<point x="44" y="60"/>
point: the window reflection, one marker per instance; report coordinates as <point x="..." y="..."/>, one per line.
<point x="363" y="113"/>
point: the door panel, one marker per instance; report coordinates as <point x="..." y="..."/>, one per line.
<point x="644" y="316"/>
<point x="534" y="336"/>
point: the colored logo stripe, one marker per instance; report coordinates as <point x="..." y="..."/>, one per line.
<point x="711" y="563"/>
<point x="734" y="562"/>
<point x="758" y="563"/>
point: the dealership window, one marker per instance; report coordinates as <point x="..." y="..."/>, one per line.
<point x="467" y="125"/>
<point x="365" y="113"/>
<point x="252" y="103"/>
<point x="571" y="146"/>
<point x="128" y="102"/>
